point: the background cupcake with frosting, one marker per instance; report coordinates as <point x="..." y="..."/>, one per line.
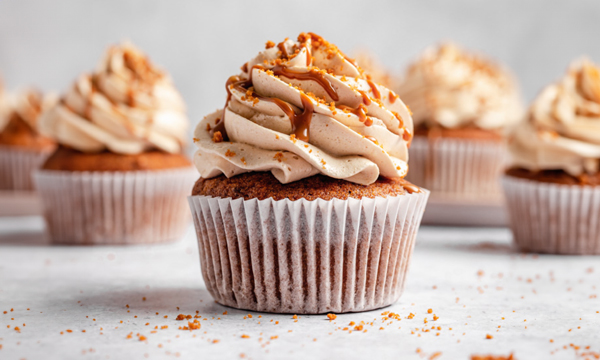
<point x="301" y="205"/>
<point x="119" y="175"/>
<point x="553" y="186"/>
<point x="22" y="148"/>
<point x="462" y="105"/>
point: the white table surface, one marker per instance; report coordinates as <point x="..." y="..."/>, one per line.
<point x="471" y="278"/>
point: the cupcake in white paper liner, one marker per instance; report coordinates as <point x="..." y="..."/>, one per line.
<point x="22" y="148"/>
<point x="554" y="218"/>
<point x="462" y="104"/>
<point x="553" y="187"/>
<point x="306" y="257"/>
<point x="115" y="208"/>
<point x="458" y="169"/>
<point x="17" y="166"/>
<point x="119" y="175"/>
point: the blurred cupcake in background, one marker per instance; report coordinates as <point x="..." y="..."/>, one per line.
<point x="462" y="106"/>
<point x="553" y="186"/>
<point x="301" y="205"/>
<point x="373" y="68"/>
<point x="22" y="148"/>
<point x="119" y="175"/>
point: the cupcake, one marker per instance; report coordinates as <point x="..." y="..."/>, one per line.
<point x="119" y="175"/>
<point x="553" y="187"/>
<point x="301" y="205"/>
<point x="22" y="147"/>
<point x="463" y="104"/>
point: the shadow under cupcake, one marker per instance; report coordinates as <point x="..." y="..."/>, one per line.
<point x="301" y="206"/>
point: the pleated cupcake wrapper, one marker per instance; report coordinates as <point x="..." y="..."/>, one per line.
<point x="462" y="169"/>
<point x="306" y="257"/>
<point x="553" y="218"/>
<point x="17" y="166"/>
<point x="110" y="208"/>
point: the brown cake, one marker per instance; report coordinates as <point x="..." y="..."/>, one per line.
<point x="17" y="133"/>
<point x="468" y="132"/>
<point x="556" y="176"/>
<point x="263" y="185"/>
<point x="66" y="159"/>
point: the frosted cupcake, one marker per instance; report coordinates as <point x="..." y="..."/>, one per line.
<point x="119" y="175"/>
<point x="553" y="187"/>
<point x="462" y="104"/>
<point x="301" y="206"/>
<point x="22" y="148"/>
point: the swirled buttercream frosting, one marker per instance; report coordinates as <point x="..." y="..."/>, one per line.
<point x="451" y="88"/>
<point x="562" y="128"/>
<point x="125" y="106"/>
<point x="301" y="108"/>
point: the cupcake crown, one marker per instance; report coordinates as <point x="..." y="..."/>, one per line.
<point x="452" y="88"/>
<point x="301" y="108"/>
<point x="562" y="128"/>
<point x="126" y="106"/>
<point x="4" y="107"/>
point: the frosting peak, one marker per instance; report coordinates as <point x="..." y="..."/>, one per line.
<point x="301" y="108"/>
<point x="562" y="128"/>
<point x="126" y="106"/>
<point x="452" y="88"/>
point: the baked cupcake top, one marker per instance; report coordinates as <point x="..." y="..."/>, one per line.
<point x="125" y="106"/>
<point x="4" y="107"/>
<point x="301" y="108"/>
<point x="562" y="127"/>
<point x="20" y="126"/>
<point x="451" y="88"/>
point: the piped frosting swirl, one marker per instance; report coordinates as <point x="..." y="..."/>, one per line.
<point x="126" y="106"/>
<point x="452" y="88"/>
<point x="302" y="108"/>
<point x="562" y="127"/>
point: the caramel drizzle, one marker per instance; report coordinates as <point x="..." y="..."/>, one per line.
<point x="376" y="93"/>
<point x="360" y="111"/>
<point x="365" y="97"/>
<point x="392" y="97"/>
<point x="406" y="136"/>
<point x="300" y="122"/>
<point x="308" y="55"/>
<point x="284" y="52"/>
<point x="312" y="75"/>
<point x="410" y="188"/>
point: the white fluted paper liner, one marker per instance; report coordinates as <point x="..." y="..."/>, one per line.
<point x="17" y="165"/>
<point x="553" y="218"/>
<point x="110" y="208"/>
<point x="306" y="257"/>
<point x="451" y="168"/>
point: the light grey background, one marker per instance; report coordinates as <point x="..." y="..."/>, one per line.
<point x="202" y="43"/>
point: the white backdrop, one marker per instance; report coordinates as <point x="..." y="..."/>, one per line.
<point x="201" y="43"/>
